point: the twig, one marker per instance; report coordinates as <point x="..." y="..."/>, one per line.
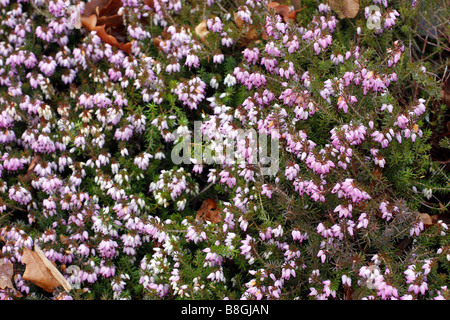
<point x="203" y="190"/>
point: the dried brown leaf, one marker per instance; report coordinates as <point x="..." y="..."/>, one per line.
<point x="345" y="8"/>
<point x="201" y="30"/>
<point x="297" y="4"/>
<point x="284" y="11"/>
<point x="6" y="273"/>
<point x="93" y="7"/>
<point x="27" y="177"/>
<point x="238" y="21"/>
<point x="102" y="16"/>
<point x="425" y="219"/>
<point x="89" y="22"/>
<point x="209" y="212"/>
<point x="272" y="5"/>
<point x="41" y="271"/>
<point x="110" y="9"/>
<point x="115" y="20"/>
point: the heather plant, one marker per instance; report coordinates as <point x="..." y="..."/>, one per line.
<point x="92" y="129"/>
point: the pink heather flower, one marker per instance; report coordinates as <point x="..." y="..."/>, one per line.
<point x="114" y="74"/>
<point x="426" y="267"/>
<point x="322" y="256"/>
<point x="83" y="250"/>
<point x="107" y="271"/>
<point x="388" y="107"/>
<point x="20" y="284"/>
<point x="191" y="93"/>
<point x="387" y="210"/>
<point x="212" y="259"/>
<point x="192" y="61"/>
<point x="251" y="55"/>
<point x="418" y="289"/>
<point x="226" y="40"/>
<point x="142" y="161"/>
<point x="324" y="8"/>
<point x="47" y="66"/>
<point x="380" y="138"/>
<point x="266" y="190"/>
<point x="68" y="76"/>
<point x="293" y="45"/>
<point x="292" y="171"/>
<point x="218" y="58"/>
<point x="124" y="133"/>
<point x="272" y="49"/>
<point x="20" y="195"/>
<point x="193" y="235"/>
<point x="246" y="248"/>
<point x="319" y="166"/>
<point x="380" y="161"/>
<point x="336" y="59"/>
<point x="416" y="229"/>
<point x="13" y="164"/>
<point x="255" y="79"/>
<point x="80" y="142"/>
<point x="137" y="32"/>
<point x="244" y="14"/>
<point x="107" y="248"/>
<point x="346" y="280"/>
<point x="215" y="25"/>
<point x="51" y="184"/>
<point x="344" y="211"/>
<point x="402" y="121"/>
<point x="44" y="33"/>
<point x="348" y="190"/>
<point x="420" y="108"/>
<point x="390" y="18"/>
<point x="217" y="276"/>
<point x="15" y="59"/>
<point x="243" y="224"/>
<point x="288" y="270"/>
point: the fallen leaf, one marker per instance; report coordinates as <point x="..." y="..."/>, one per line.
<point x="209" y="212"/>
<point x="102" y="16"/>
<point x="345" y="8"/>
<point x="284" y="11"/>
<point x="296" y="4"/>
<point x="33" y="163"/>
<point x="6" y="273"/>
<point x="201" y="30"/>
<point x="426" y="219"/>
<point x="238" y="21"/>
<point x="89" y="22"/>
<point x="110" y="21"/>
<point x="249" y="34"/>
<point x="94" y="7"/>
<point x="110" y="9"/>
<point x="41" y="271"/>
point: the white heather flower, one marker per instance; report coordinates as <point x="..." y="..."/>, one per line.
<point x="427" y="193"/>
<point x="230" y="80"/>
